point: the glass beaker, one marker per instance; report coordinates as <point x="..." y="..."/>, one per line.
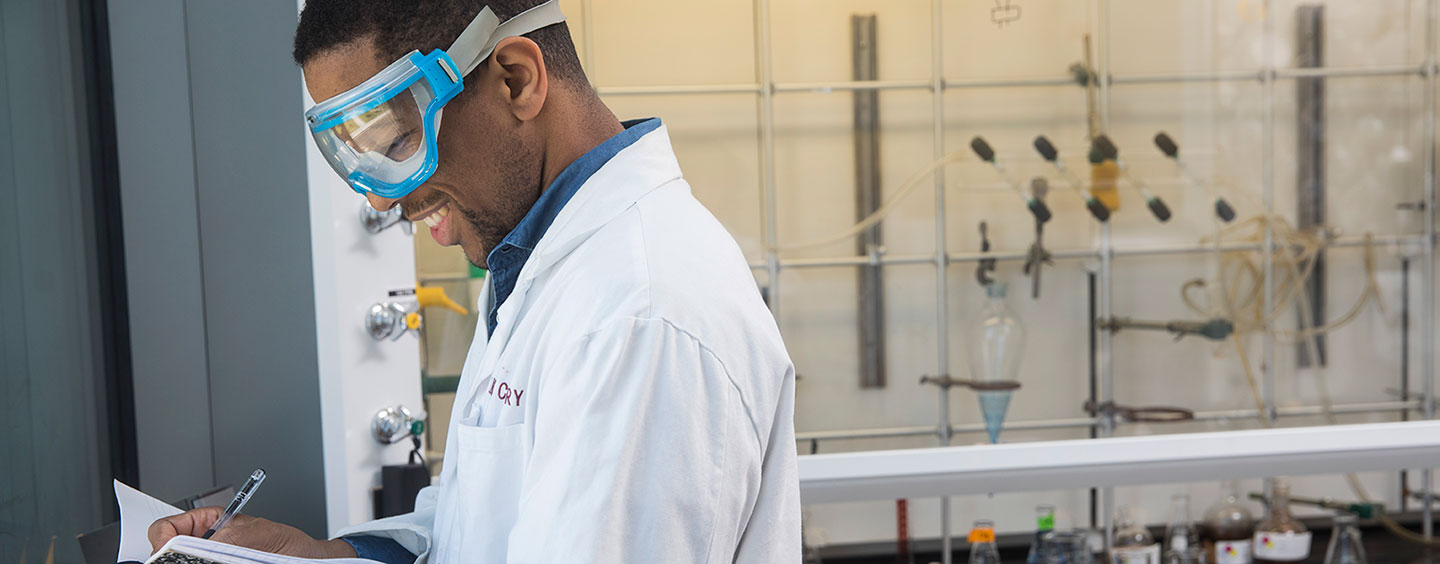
<point x="1345" y="546"/>
<point x="1066" y="547"/>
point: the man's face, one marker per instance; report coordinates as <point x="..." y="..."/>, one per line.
<point x="489" y="171"/>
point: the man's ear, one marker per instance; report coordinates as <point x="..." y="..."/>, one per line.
<point x="520" y="66"/>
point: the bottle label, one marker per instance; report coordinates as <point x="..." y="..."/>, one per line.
<point x="1149" y="554"/>
<point x="1283" y="547"/>
<point x="982" y="535"/>
<point x="1232" y="552"/>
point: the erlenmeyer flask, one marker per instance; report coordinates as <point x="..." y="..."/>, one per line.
<point x="1345" y="546"/>
<point x="996" y="342"/>
<point x="982" y="543"/>
<point x="1182" y="541"/>
<point x="1044" y="523"/>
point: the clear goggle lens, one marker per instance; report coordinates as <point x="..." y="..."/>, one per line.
<point x="384" y="144"/>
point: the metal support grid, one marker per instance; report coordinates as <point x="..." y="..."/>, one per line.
<point x="766" y="88"/>
<point x="1427" y="287"/>
<point x="823" y="87"/>
<point x="1096" y="253"/>
<point x="766" y="111"/>
<point x="1106" y="280"/>
<point x="942" y="282"/>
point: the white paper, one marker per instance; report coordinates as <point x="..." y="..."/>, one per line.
<point x="230" y="554"/>
<point x="137" y="512"/>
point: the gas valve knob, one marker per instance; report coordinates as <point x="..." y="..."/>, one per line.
<point x="393" y="424"/>
<point x="390" y="320"/>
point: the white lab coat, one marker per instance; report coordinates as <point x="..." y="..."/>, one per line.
<point x="635" y="403"/>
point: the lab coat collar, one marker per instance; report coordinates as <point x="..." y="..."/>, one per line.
<point x="635" y="171"/>
<point x="537" y="221"/>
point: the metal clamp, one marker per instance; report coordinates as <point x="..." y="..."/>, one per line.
<point x="1217" y="329"/>
<point x="945" y="382"/>
<point x="1149" y="414"/>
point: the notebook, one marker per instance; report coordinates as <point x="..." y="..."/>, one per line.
<point x="195" y="550"/>
<point x="138" y="511"/>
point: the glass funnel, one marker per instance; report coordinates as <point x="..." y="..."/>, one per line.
<point x="996" y="341"/>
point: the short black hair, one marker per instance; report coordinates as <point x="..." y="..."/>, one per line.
<point x="400" y="26"/>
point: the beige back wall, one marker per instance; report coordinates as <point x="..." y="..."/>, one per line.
<point x="1375" y="160"/>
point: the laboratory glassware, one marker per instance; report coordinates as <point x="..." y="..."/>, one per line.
<point x="1044" y="523"/>
<point x="1227" y="528"/>
<point x="1345" y="546"/>
<point x="1280" y="537"/>
<point x="1133" y="543"/>
<point x="1066" y="547"/>
<point x="1182" y="541"/>
<point x="982" y="543"/>
<point x="996" y="342"/>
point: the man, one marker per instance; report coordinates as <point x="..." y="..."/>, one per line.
<point x="627" y="397"/>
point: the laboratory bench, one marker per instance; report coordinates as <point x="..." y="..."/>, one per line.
<point x="1381" y="547"/>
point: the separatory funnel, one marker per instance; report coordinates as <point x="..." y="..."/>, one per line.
<point x="996" y="342"/>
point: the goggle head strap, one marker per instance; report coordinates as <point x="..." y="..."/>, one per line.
<point x="485" y="31"/>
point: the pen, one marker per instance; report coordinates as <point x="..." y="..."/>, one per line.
<point x="238" y="503"/>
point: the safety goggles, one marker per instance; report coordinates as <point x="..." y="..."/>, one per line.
<point x="380" y="136"/>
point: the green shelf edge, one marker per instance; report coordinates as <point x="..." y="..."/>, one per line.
<point x="439" y="384"/>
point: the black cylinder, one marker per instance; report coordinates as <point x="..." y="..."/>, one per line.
<point x="982" y="149"/>
<point x="1106" y="149"/>
<point x="1098" y="209"/>
<point x="1224" y="211"/>
<point x="1094" y="155"/>
<point x="1167" y="145"/>
<point x="1046" y="149"/>
<point x="1040" y="210"/>
<point x="1157" y="206"/>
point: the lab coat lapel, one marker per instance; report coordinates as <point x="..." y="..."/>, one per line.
<point x="631" y="174"/>
<point x="635" y="171"/>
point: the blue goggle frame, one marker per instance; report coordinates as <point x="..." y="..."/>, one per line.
<point x="445" y="82"/>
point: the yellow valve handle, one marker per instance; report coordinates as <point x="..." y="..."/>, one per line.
<point x="431" y="296"/>
<point x="412" y="321"/>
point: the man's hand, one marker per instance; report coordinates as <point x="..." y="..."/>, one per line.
<point x="249" y="532"/>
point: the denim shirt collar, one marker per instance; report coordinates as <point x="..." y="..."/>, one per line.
<point x="506" y="259"/>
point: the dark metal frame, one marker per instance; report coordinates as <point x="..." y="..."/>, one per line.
<point x="113" y="317"/>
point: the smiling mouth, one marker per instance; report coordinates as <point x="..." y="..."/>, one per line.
<point x="435" y="216"/>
